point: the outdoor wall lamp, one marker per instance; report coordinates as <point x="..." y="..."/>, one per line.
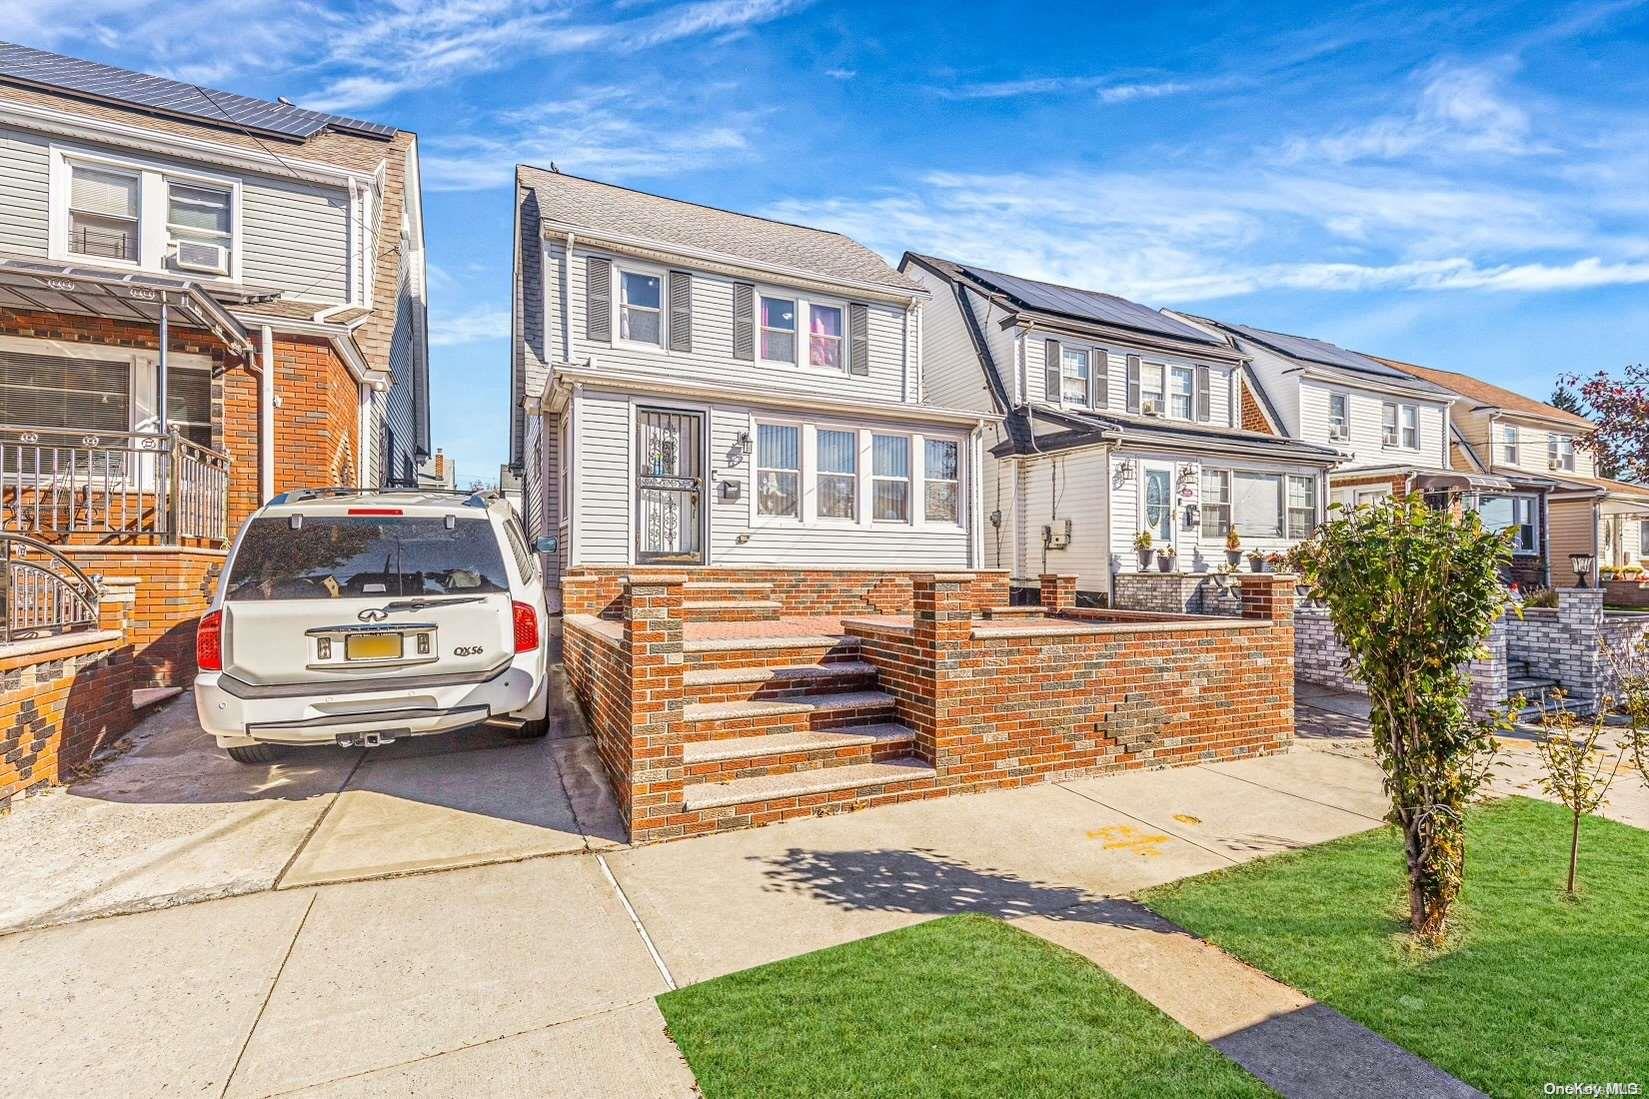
<point x="742" y="447"/>
<point x="1582" y="564"/>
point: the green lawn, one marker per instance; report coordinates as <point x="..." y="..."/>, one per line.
<point x="958" y="1006"/>
<point x="1537" y="988"/>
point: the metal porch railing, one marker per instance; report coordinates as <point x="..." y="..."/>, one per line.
<point x="42" y="592"/>
<point x="148" y="486"/>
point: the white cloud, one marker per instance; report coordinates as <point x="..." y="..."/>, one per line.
<point x="1127" y="93"/>
<point x="841" y="73"/>
<point x="471" y="326"/>
<point x="1460" y="110"/>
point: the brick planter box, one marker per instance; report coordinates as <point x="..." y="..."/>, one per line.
<point x="1626" y="593"/>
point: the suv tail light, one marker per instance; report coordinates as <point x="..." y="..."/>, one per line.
<point x="209" y="643"/>
<point x="526" y="628"/>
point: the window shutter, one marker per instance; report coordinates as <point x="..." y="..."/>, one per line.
<point x="858" y="338"/>
<point x="1099" y="382"/>
<point x="681" y="311"/>
<point x="1052" y="390"/>
<point x="744" y="321"/>
<point x="1204" y="396"/>
<point x="1133" y="383"/>
<point x="598" y="299"/>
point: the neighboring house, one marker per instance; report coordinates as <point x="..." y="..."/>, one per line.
<point x="1118" y="418"/>
<point x="1508" y="435"/>
<point x="204" y="299"/>
<point x="727" y="395"/>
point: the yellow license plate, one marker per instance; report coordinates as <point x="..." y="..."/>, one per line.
<point x="373" y="646"/>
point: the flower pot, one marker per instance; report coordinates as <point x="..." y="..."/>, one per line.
<point x="1144" y="560"/>
<point x="1256" y="564"/>
<point x="1165" y="563"/>
<point x="1233" y="557"/>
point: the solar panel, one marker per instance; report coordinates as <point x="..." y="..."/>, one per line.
<point x="156" y="93"/>
<point x="1090" y="305"/>
<point x="1327" y="354"/>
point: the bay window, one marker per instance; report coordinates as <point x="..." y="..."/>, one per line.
<point x="640" y="307"/>
<point x="890" y="478"/>
<point x="824" y="336"/>
<point x="1216" y="501"/>
<point x="779" y="470"/>
<point x="1182" y="385"/>
<point x="941" y="476"/>
<point x="777" y="318"/>
<point x="103" y="213"/>
<point x="1074" y="368"/>
<point x="838" y="491"/>
<point x="1302" y="506"/>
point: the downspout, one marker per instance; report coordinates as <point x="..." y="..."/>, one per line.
<point x="266" y="413"/>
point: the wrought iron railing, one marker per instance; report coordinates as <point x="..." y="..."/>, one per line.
<point x="144" y="485"/>
<point x="42" y="592"/>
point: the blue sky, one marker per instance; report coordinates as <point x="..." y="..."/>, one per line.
<point x="1465" y="186"/>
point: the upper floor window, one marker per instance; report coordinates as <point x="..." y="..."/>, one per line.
<point x="1508" y="443"/>
<point x="1151" y="389"/>
<point x="1400" y="426"/>
<point x="1075" y="367"/>
<point x="104" y="208"/>
<point x="778" y="329"/>
<point x="1560" y="452"/>
<point x="1182" y="388"/>
<point x="1339" y="416"/>
<point x="640" y="307"/>
<point x="198" y="228"/>
<point x="941" y="477"/>
<point x="824" y="336"/>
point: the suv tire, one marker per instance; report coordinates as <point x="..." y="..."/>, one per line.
<point x="252" y="753"/>
<point x="529" y="730"/>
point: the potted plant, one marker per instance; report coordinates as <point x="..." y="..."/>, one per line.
<point x="1142" y="546"/>
<point x="1277" y="561"/>
<point x="1165" y="559"/>
<point x="1256" y="561"/>
<point x="1233" y="546"/>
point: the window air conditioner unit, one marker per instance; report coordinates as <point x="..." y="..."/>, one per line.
<point x="1554" y="463"/>
<point x="1338" y="433"/>
<point x="194" y="255"/>
<point x="1151" y="408"/>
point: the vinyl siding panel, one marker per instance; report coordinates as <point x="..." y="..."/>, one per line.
<point x="24" y="182"/>
<point x="1574" y="529"/>
<point x="295" y="237"/>
<point x="1366" y="410"/>
<point x="1069" y="486"/>
<point x="1000" y="477"/>
<point x="1116" y="374"/>
<point x="602" y="466"/>
<point x="953" y="376"/>
<point x="1532" y="455"/>
<point x="712" y="356"/>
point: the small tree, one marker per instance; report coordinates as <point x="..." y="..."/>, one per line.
<point x="1630" y="667"/>
<point x="1620" y="407"/>
<point x="1412" y="591"/>
<point x="1578" y="771"/>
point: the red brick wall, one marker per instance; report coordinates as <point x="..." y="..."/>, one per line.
<point x="1253" y="418"/>
<point x="175" y="586"/>
<point x="599" y="590"/>
<point x="58" y="707"/>
<point x="598" y="671"/>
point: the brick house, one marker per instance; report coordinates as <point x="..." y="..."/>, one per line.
<point x="1115" y="419"/>
<point x="204" y="299"/>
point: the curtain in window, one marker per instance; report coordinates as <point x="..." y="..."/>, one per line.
<point x="778" y="468"/>
<point x="890" y="468"/>
<point x="838" y="474"/>
<point x="1256" y="503"/>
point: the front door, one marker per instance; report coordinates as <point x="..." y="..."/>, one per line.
<point x="669" y="486"/>
<point x="1159" y="505"/>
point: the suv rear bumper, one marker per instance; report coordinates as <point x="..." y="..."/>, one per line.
<point x="237" y="713"/>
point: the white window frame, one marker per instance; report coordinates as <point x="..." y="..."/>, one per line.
<point x="1643" y="538"/>
<point x="757" y="516"/>
<point x="958" y="480"/>
<point x="913" y="479"/>
<point x="1087" y="376"/>
<point x="1511" y="443"/>
<point x="153" y="231"/>
<point x="1561" y="448"/>
<point x="804" y="312"/>
<point x="804" y="303"/>
<point x="1174" y="372"/>
<point x="1291" y="481"/>
<point x="1211" y="506"/>
<point x="1391" y="434"/>
<point x="1281" y="530"/>
<point x="1342" y="434"/>
<point x="1161" y="372"/>
<point x="810" y="458"/>
<point x="1532" y="503"/>
<point x="646" y="270"/>
<point x="136" y="177"/>
<point x="795" y="301"/>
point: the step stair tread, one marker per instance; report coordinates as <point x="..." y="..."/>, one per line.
<point x="842" y="700"/>
<point x="1515" y="683"/>
<point x="779" y="744"/>
<point x="799" y="673"/>
<point x="708" y="795"/>
<point x="792" y="641"/>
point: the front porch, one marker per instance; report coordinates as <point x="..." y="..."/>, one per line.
<point x="706" y="725"/>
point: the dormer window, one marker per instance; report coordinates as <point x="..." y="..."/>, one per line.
<point x="103" y="213"/>
<point x="640" y="314"/>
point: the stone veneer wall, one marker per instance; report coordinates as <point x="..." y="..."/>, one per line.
<point x="1578" y="643"/>
<point x="1178" y="592"/>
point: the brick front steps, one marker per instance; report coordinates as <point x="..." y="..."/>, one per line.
<point x="771" y="798"/>
<point x="783" y="682"/>
<point x="788" y="753"/>
<point x="769" y="652"/>
<point x="721" y="720"/>
<point x="728" y="601"/>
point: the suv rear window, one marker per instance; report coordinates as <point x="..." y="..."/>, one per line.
<point x="344" y="556"/>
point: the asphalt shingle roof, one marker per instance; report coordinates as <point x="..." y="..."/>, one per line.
<point x="599" y="207"/>
<point x="1490" y="396"/>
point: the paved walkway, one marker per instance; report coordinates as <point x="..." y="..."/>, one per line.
<point x="456" y="915"/>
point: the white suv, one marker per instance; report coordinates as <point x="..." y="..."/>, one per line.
<point x="353" y="617"/>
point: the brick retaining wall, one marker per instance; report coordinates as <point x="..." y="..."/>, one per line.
<point x="800" y="592"/>
<point x="61" y="699"/>
<point x="174" y="588"/>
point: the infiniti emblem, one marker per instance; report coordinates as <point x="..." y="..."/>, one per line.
<point x="373" y="614"/>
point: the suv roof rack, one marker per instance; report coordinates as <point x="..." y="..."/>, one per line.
<point x="471" y="498"/>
